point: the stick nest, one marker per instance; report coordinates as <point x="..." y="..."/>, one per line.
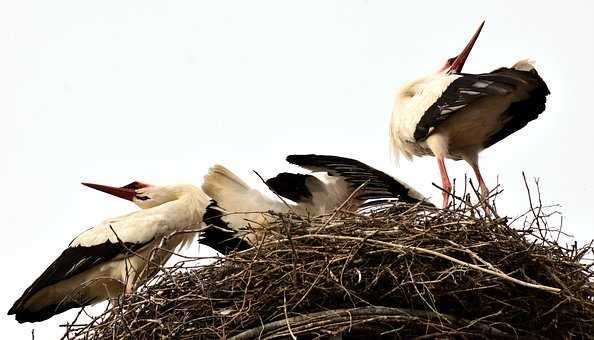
<point x="402" y="272"/>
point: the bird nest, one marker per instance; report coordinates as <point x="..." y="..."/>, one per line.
<point x="408" y="271"/>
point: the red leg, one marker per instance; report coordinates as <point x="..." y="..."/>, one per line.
<point x="482" y="185"/>
<point x="445" y="182"/>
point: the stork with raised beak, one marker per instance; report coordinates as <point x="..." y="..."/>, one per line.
<point x="118" y="254"/>
<point x="450" y="114"/>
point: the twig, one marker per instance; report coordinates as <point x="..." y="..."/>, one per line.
<point x="274" y="192"/>
<point x="287" y="317"/>
<point x="342" y="205"/>
<point x="437" y="254"/>
<point x="368" y="314"/>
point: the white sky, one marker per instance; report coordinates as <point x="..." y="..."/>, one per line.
<point x="111" y="92"/>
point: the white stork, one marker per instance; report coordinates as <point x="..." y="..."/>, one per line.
<point x="111" y="258"/>
<point x="449" y="114"/>
<point x="235" y="212"/>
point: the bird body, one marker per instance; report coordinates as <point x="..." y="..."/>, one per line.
<point x="478" y="113"/>
<point x="236" y="213"/>
<point x="234" y="203"/>
<point x="456" y="115"/>
<point x="144" y="225"/>
<point x="113" y="257"/>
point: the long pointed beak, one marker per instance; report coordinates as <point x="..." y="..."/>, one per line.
<point x="461" y="58"/>
<point x="124" y="193"/>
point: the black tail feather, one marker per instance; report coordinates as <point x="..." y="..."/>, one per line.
<point x="218" y="235"/>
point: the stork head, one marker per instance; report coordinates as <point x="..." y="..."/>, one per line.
<point x="143" y="195"/>
<point x="455" y="64"/>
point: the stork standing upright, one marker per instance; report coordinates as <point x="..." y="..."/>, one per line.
<point x="113" y="257"/>
<point x="235" y="214"/>
<point x="449" y="114"/>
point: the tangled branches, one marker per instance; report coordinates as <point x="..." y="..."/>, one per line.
<point x="403" y="272"/>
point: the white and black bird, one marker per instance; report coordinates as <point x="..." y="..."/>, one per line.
<point x="236" y="209"/>
<point x="111" y="258"/>
<point x="450" y="114"/>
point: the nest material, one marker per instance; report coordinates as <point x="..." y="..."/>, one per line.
<point x="404" y="272"/>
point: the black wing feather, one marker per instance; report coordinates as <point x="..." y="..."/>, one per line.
<point x="72" y="261"/>
<point x="50" y="310"/>
<point x="469" y="88"/>
<point x="380" y="185"/>
<point x="519" y="113"/>
<point x="295" y="187"/>
<point x="218" y="235"/>
<point x="462" y="92"/>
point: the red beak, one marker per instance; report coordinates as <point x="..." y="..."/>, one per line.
<point x="125" y="193"/>
<point x="457" y="65"/>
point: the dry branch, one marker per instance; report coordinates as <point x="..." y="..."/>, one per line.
<point x="408" y="271"/>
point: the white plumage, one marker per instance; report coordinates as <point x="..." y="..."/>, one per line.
<point x="237" y="211"/>
<point x="456" y="115"/>
<point x="111" y="258"/>
<point x="412" y="101"/>
<point x="119" y="254"/>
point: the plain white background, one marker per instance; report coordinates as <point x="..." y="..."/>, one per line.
<point x="112" y="91"/>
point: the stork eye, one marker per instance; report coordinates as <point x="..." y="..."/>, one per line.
<point x="451" y="60"/>
<point x="142" y="198"/>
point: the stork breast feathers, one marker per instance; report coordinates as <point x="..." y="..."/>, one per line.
<point x="408" y="110"/>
